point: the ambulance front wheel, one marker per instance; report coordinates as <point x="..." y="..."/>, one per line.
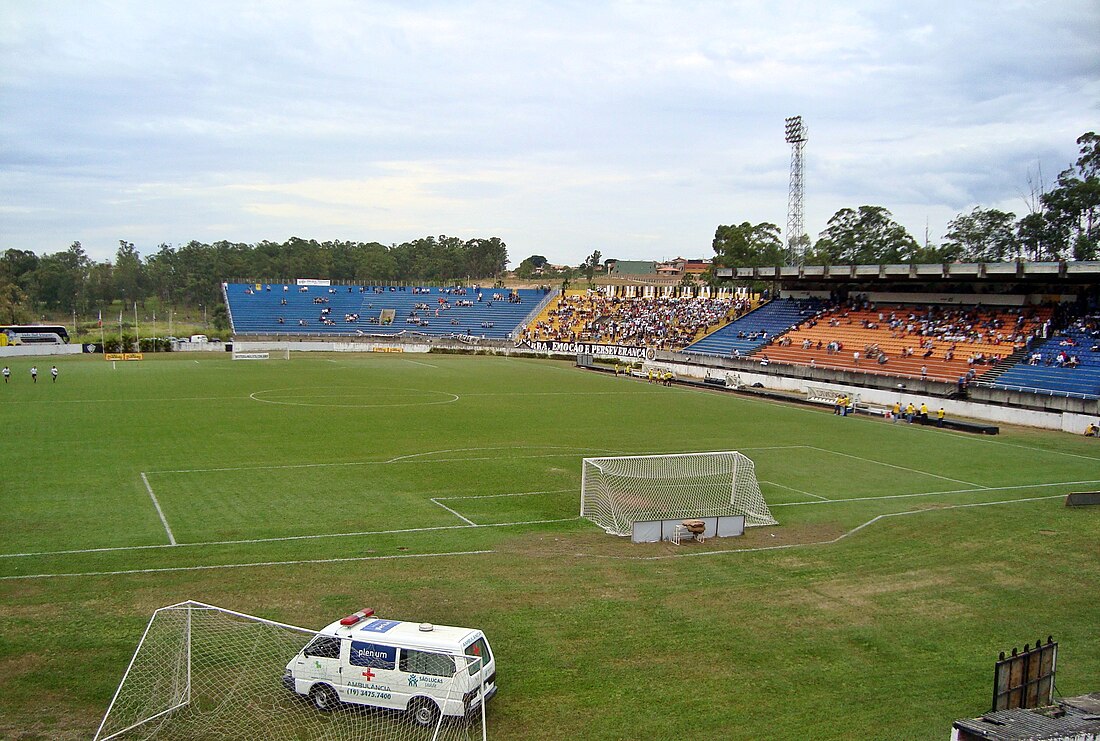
<point x="324" y="698"/>
<point x="424" y="712"/>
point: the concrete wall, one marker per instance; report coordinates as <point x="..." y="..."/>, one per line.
<point x="28" y="351"/>
<point x="1064" y="421"/>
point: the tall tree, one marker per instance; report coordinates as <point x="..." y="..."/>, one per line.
<point x="530" y="266"/>
<point x="129" y="274"/>
<point x="748" y="245"/>
<point x="869" y="236"/>
<point x="14" y="306"/>
<point x="983" y="235"/>
<point x="590" y="265"/>
<point x="1073" y="207"/>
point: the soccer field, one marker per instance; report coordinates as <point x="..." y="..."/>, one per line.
<point x="445" y="488"/>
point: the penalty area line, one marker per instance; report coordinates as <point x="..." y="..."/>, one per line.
<point x="797" y="491"/>
<point x="982" y="489"/>
<point x="284" y="538"/>
<point x="467" y="520"/>
<point x="160" y="512"/>
<point x="900" y="468"/>
<point x="831" y="541"/>
<point x="211" y="567"/>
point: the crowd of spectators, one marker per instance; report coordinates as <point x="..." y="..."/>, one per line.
<point x="1080" y="336"/>
<point x="665" y="322"/>
<point x="927" y="327"/>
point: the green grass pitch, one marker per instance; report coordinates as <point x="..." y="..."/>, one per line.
<point x="445" y="488"/>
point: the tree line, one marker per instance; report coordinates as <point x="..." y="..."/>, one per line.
<point x="191" y="275"/>
<point x="1062" y="223"/>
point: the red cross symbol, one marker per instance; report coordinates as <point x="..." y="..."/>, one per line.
<point x="368" y="674"/>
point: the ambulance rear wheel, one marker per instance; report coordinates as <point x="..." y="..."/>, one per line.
<point x="324" y="698"/>
<point x="423" y="712"/>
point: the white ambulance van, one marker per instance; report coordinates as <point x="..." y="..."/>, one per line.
<point x="427" y="670"/>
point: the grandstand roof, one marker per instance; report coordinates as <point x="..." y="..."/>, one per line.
<point x="1032" y="273"/>
<point x="632" y="267"/>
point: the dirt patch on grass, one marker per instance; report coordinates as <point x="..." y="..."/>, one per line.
<point x="915" y="593"/>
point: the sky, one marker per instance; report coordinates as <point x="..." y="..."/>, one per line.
<point x="632" y="128"/>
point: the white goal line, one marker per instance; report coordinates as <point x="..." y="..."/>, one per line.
<point x="211" y="567"/>
<point x="980" y="489"/>
<point x="279" y="539"/>
<point x="830" y="541"/>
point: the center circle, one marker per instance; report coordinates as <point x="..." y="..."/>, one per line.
<point x="353" y="397"/>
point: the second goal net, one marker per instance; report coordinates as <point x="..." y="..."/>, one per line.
<point x="204" y="672"/>
<point x="619" y="491"/>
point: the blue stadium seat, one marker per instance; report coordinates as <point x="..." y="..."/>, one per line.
<point x="1084" y="380"/>
<point x="774" y="318"/>
<point x="258" y="312"/>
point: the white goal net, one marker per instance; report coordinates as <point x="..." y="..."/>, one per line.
<point x="203" y="672"/>
<point x="617" y="492"/>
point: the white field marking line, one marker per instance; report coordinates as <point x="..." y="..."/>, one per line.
<point x="433" y="500"/>
<point x="837" y="539"/>
<point x="900" y="468"/>
<point x="140" y="401"/>
<point x="254" y="541"/>
<point x="982" y="439"/>
<point x="511" y="494"/>
<point x="565" y="393"/>
<point x="361" y="463"/>
<point x="452" y="400"/>
<point x="799" y="491"/>
<point x="417" y="362"/>
<point x="160" y="512"/>
<point x="397" y="458"/>
<point x="248" y="565"/>
<point x="987" y="440"/>
<point x="934" y="493"/>
<point x="489" y="496"/>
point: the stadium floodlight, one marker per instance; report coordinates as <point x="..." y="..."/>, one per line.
<point x="616" y="492"/>
<point x="795" y="131"/>
<point x="797" y="136"/>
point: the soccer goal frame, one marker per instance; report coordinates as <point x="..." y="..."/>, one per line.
<point x="202" y="671"/>
<point x="618" y="491"/>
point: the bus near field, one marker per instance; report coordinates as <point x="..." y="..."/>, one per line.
<point x="444" y="489"/>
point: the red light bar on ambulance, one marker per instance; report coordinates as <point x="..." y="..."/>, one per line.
<point x="361" y="615"/>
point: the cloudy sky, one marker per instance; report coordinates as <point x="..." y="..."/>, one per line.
<point x="634" y="128"/>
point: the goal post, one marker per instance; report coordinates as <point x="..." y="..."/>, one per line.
<point x="618" y="491"/>
<point x="202" y="671"/>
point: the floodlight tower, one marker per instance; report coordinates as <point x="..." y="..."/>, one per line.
<point x="796" y="136"/>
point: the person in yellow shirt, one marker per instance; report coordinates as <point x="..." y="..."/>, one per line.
<point x="923" y="413"/>
<point x="910" y="410"/>
<point x="939" y="417"/>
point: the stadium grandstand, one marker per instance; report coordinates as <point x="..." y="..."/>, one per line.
<point x="927" y="341"/>
<point x="668" y="322"/>
<point x="1012" y="334"/>
<point x="756" y="329"/>
<point x="1067" y="363"/>
<point x="1032" y="329"/>
<point x="310" y="310"/>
